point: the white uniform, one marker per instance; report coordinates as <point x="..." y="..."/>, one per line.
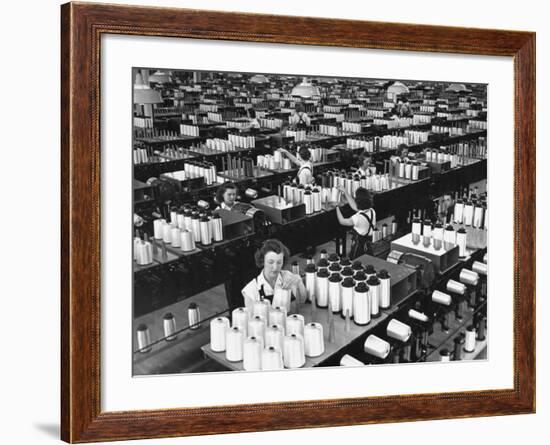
<point x="224" y="206"/>
<point x="299" y="118"/>
<point x="305" y="173"/>
<point x="361" y="224"/>
<point x="285" y="280"/>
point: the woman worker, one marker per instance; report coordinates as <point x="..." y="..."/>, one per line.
<point x="226" y="195"/>
<point x="363" y="221"/>
<point x="267" y="285"/>
<point x="365" y="165"/>
<point x="305" y="171"/>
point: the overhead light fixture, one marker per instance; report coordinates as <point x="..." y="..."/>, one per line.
<point x="160" y="77"/>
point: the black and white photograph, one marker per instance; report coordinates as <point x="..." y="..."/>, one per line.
<point x="289" y="221"/>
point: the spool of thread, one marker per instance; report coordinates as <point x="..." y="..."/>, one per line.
<point x="321" y="288"/>
<point x="374" y="296"/>
<point x="239" y="318"/>
<point x="234" y="344"/>
<point x="143" y="338"/>
<point x="370" y="271"/>
<point x="469" y="277"/>
<point x="441" y="298"/>
<point x="393" y="227"/>
<point x="295" y="324"/>
<point x="427" y="228"/>
<point x="175" y="237"/>
<point x="361" y="304"/>
<point x="458" y="352"/>
<point x="357" y="266"/>
<point x="461" y="237"/>
<point x="384" y="230"/>
<point x="360" y="276"/>
<point x="193" y="316"/>
<point x="187" y="241"/>
<point x="167" y="233"/>
<point x="295" y="268"/>
<point x="438" y="232"/>
<point x="293" y="351"/>
<point x="282" y="297"/>
<point x="205" y="235"/>
<point x="316" y="200"/>
<point x="323" y="263"/>
<point x="458" y="214"/>
<point x="308" y="202"/>
<point x="277" y="316"/>
<point x="323" y="254"/>
<point x="314" y="344"/>
<point x="376" y="346"/>
<point x="385" y="289"/>
<point x="416" y="226"/>
<point x="217" y="228"/>
<point x="468" y="213"/>
<point x="218" y="328"/>
<point x="417" y="315"/>
<point x="196" y="228"/>
<point x="348" y="360"/>
<point x="158" y="228"/>
<point x="398" y="330"/>
<point x="310" y="281"/>
<point x="256" y="327"/>
<point x="335" y="195"/>
<point x="274" y="336"/>
<point x="470" y="339"/>
<point x="261" y="308"/>
<point x="347" y="291"/>
<point x="444" y="355"/>
<point x="479" y="267"/>
<point x="180" y="222"/>
<point x="272" y="359"/>
<point x="334" y="292"/>
<point x="456" y="287"/>
<point x="252" y="354"/>
<point x="450" y="235"/>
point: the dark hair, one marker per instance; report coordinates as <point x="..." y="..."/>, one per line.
<point x="222" y="189"/>
<point x="270" y="245"/>
<point x="299" y="107"/>
<point x="252" y="113"/>
<point x="304" y="153"/>
<point x="363" y="198"/>
<point x="362" y="158"/>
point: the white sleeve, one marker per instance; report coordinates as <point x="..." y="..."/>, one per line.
<point x="251" y="294"/>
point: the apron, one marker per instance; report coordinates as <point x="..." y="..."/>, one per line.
<point x="301" y="123"/>
<point x="277" y="299"/>
<point x="305" y="167"/>
<point x="362" y="244"/>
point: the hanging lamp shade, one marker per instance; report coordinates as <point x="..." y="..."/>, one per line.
<point x="160" y="77"/>
<point x="143" y="94"/>
<point x="305" y="89"/>
<point x="259" y="78"/>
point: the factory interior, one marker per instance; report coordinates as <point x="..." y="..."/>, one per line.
<point x="290" y="221"/>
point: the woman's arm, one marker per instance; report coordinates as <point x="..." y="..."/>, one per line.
<point x="292" y="158"/>
<point x="349" y="198"/>
<point x="342" y="220"/>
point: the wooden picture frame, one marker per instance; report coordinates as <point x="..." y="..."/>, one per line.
<point x="82" y="26"/>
